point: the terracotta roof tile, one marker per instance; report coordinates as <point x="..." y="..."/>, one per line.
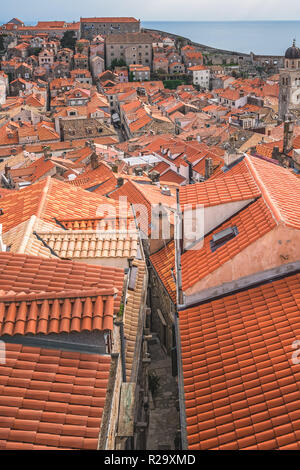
<point x="51" y="399"/>
<point x="64" y="312"/>
<point x="132" y="317"/>
<point x="172" y="177"/>
<point x="92" y="244"/>
<point x="241" y="387"/>
<point x="279" y="187"/>
<point x="227" y="188"/>
<point x="49" y="199"/>
<point x="252" y="223"/>
<point x="33" y="274"/>
<point x="163" y="262"/>
<point x="99" y="223"/>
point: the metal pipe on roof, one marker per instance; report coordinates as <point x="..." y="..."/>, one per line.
<point x="178" y="241"/>
<point x="181" y="395"/>
<point x="178" y="234"/>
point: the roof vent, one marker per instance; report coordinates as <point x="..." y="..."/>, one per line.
<point x="221" y="238"/>
<point x="165" y="190"/>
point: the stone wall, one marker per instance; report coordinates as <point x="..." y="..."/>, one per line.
<point x="162" y="311"/>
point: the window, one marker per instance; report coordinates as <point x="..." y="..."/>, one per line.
<point x="221" y="238"/>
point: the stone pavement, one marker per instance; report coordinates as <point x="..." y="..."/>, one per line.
<point x="164" y="416"/>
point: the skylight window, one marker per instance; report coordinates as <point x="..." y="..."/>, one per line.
<point x="221" y="238"/>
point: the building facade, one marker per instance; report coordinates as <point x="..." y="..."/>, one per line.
<point x="133" y="48"/>
<point x="91" y="27"/>
<point x="289" y="90"/>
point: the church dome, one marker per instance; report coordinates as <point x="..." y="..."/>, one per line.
<point x="293" y="52"/>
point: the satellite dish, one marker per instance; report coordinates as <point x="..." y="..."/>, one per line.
<point x="71" y="177"/>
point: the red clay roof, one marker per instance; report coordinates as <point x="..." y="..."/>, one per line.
<point x="33" y="274"/>
<point x="161" y="167"/>
<point x="164" y="264"/>
<point x="49" y="199"/>
<point x="279" y="187"/>
<point x="228" y="188"/>
<point x="92" y="177"/>
<point x="129" y="19"/>
<point x="99" y="223"/>
<point x="241" y="387"/>
<point x="63" y="312"/>
<point x="252" y="223"/>
<point x="172" y="177"/>
<point x="51" y="399"/>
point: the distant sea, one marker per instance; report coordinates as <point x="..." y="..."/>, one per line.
<point x="260" y="37"/>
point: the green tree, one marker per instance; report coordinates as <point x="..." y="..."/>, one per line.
<point x="2" y="47"/>
<point x="35" y="51"/>
<point x="68" y="40"/>
<point x="117" y="63"/>
<point x="172" y="84"/>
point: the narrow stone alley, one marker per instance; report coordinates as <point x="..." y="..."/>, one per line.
<point x="163" y="413"/>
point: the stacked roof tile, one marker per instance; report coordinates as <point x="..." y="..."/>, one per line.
<point x="241" y="385"/>
<point x="279" y="187"/>
<point x="51" y="399"/>
<point x="56" y="312"/>
<point x="92" y="244"/>
<point x="49" y="199"/>
<point x="221" y="190"/>
<point x="163" y="262"/>
<point x="252" y="223"/>
<point x="32" y="274"/>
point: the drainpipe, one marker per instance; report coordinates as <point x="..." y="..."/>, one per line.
<point x="179" y="295"/>
<point x="121" y="326"/>
<point x="178" y="250"/>
<point x="181" y="396"/>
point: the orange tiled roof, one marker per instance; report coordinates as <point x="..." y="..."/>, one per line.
<point x="172" y="177"/>
<point x="106" y="187"/>
<point x="252" y="223"/>
<point x="160" y="167"/>
<point x="279" y="187"/>
<point x="241" y="387"/>
<point x="100" y="223"/>
<point x="110" y="20"/>
<point x="91" y="177"/>
<point x="228" y="188"/>
<point x="24" y="275"/>
<point x="163" y="262"/>
<point x="51" y="399"/>
<point x="63" y="312"/>
<point x="49" y="199"/>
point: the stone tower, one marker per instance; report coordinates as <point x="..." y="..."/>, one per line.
<point x="289" y="90"/>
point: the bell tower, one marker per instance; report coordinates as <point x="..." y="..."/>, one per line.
<point x="289" y="85"/>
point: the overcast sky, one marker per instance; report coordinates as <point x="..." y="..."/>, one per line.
<point x="197" y="10"/>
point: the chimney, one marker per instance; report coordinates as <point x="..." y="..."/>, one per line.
<point x="208" y="167"/>
<point x="288" y="136"/>
<point x="154" y="175"/>
<point x="198" y="138"/>
<point x="120" y="182"/>
<point x="47" y="154"/>
<point x="138" y="171"/>
<point x="165" y="190"/>
<point x="276" y="154"/>
<point x="6" y="170"/>
<point x="94" y="161"/>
